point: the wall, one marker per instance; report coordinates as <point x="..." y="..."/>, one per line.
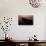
<point x="13" y="8"/>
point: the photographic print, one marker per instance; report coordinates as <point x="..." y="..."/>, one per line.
<point x="25" y="20"/>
